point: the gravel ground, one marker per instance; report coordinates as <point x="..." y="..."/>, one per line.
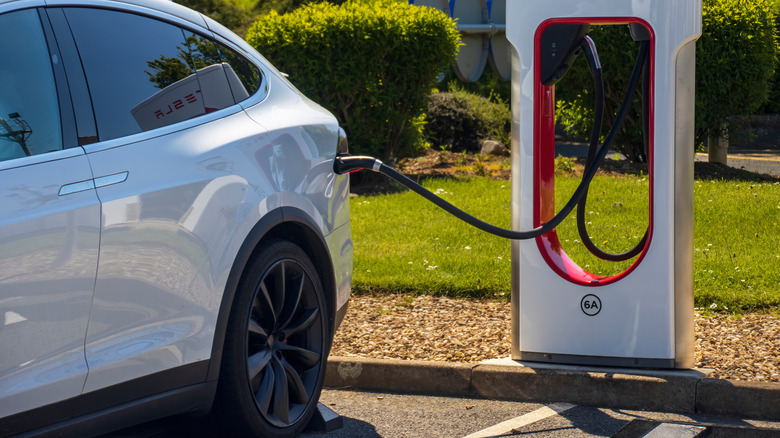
<point x="459" y="330"/>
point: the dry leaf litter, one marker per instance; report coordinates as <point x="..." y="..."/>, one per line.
<point x="460" y="330"/>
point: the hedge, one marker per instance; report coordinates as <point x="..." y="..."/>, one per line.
<point x="459" y="120"/>
<point x="284" y="6"/>
<point x="371" y="63"/>
<point x="734" y="78"/>
<point x="773" y="104"/>
<point x="735" y="61"/>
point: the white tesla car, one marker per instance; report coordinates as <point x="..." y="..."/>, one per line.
<point x="173" y="238"/>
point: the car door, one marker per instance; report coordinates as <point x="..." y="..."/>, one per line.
<point x="49" y="223"/>
<point x="164" y="100"/>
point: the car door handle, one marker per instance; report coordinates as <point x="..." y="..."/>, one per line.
<point x="101" y="181"/>
<point x="108" y="180"/>
<point x="76" y="187"/>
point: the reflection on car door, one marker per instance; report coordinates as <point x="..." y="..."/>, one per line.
<point x="49" y="234"/>
<point x="49" y="226"/>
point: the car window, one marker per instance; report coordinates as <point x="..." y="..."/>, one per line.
<point x="145" y="74"/>
<point x="249" y="76"/>
<point x="29" y="111"/>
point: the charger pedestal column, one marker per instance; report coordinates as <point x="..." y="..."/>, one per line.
<point x="561" y="313"/>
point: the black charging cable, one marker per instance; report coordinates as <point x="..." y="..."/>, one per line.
<point x="582" y="227"/>
<point x="345" y="164"/>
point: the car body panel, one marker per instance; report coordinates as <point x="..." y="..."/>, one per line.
<point x="323" y="195"/>
<point x="341" y="246"/>
<point x="48" y="258"/>
<point x="164" y="222"/>
<point x="183" y="202"/>
<point x="164" y="315"/>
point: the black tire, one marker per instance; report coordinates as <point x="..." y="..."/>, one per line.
<point x="276" y="346"/>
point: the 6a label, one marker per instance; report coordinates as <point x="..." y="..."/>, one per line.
<point x="590" y="305"/>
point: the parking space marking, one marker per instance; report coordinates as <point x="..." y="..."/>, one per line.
<point x="509" y="425"/>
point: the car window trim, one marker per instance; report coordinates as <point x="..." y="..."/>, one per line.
<point x="182" y="15"/>
<point x="86" y="125"/>
<point x="32" y="160"/>
<point x="67" y="113"/>
<point x="164" y="130"/>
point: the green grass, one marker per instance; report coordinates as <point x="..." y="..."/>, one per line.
<point x="616" y="218"/>
<point x="405" y="244"/>
<point x="737" y="245"/>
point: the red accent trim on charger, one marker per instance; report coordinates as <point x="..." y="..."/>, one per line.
<point x="544" y="161"/>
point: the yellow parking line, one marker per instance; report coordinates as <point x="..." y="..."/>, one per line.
<point x="752" y="157"/>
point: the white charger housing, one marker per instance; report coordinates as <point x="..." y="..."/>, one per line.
<point x="561" y="313"/>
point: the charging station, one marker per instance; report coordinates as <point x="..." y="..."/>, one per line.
<point x="561" y="313"/>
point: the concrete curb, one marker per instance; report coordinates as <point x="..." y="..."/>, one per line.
<point x="685" y="391"/>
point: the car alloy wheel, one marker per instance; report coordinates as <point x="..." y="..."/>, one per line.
<point x="275" y="347"/>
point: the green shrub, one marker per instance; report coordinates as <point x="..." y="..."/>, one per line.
<point x="493" y="114"/>
<point x="460" y="121"/>
<point x="371" y="63"/>
<point x="285" y="6"/>
<point x="450" y="124"/>
<point x="773" y="103"/>
<point x="488" y="85"/>
<point x="735" y="61"/>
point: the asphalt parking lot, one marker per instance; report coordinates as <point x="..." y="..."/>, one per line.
<point x="366" y="414"/>
<point x="372" y="414"/>
<point x="765" y="161"/>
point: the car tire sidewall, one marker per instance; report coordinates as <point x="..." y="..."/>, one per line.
<point x="236" y="406"/>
